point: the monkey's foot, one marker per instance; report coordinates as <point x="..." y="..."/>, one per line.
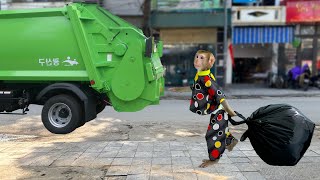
<point x="206" y="163"/>
<point x="233" y="143"/>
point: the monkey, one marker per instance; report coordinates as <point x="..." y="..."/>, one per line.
<point x="204" y="60"/>
<point x="208" y="98"/>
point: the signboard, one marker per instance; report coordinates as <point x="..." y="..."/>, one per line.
<point x="258" y="15"/>
<point x="244" y="1"/>
<point x="291" y="54"/>
<point x="303" y="11"/>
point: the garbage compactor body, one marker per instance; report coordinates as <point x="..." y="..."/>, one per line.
<point x="80" y="45"/>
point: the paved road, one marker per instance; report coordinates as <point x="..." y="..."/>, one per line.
<point x="177" y="110"/>
<point x="170" y="120"/>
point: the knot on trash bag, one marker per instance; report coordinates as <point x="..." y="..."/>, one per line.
<point x="235" y="123"/>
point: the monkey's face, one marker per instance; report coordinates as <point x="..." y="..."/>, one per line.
<point x="201" y="62"/>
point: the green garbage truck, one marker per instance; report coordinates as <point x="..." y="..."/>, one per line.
<point x="74" y="61"/>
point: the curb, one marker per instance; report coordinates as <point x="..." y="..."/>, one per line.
<point x="186" y="96"/>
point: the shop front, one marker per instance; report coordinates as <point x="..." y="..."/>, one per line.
<point x="185" y="27"/>
<point x="258" y="52"/>
<point x="180" y="46"/>
<point x="305" y="15"/>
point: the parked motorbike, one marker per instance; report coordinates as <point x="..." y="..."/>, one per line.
<point x="300" y="77"/>
<point x="315" y="81"/>
<point x="296" y="78"/>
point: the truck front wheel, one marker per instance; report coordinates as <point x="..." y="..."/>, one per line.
<point x="61" y="114"/>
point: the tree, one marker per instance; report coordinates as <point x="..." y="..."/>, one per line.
<point x="146" y="15"/>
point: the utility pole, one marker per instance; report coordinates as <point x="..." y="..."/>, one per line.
<point x="225" y="42"/>
<point x="146" y="15"/>
<point x="315" y="51"/>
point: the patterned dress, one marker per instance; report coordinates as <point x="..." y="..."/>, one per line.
<point x="206" y="98"/>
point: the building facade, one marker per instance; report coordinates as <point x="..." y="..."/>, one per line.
<point x="261" y="39"/>
<point x="305" y="16"/>
<point x="273" y="37"/>
<point x="30" y="4"/>
<point x="263" y="36"/>
<point x="185" y="27"/>
<point x="129" y="10"/>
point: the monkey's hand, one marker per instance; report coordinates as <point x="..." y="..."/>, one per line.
<point x="227" y="108"/>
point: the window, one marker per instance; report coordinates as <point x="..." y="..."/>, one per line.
<point x="307" y="30"/>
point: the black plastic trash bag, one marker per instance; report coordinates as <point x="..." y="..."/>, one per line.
<point x="279" y="133"/>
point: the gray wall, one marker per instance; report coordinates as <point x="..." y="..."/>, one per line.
<point x="252" y="51"/>
<point x="124" y="7"/>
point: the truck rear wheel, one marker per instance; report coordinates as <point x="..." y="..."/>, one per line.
<point x="61" y="114"/>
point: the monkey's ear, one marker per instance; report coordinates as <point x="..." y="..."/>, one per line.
<point x="211" y="60"/>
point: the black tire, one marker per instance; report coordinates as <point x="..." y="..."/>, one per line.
<point x="100" y="106"/>
<point x="82" y="121"/>
<point x="61" y="108"/>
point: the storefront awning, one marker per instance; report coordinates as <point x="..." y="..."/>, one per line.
<point x="263" y="35"/>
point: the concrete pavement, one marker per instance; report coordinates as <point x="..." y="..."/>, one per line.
<point x="143" y="160"/>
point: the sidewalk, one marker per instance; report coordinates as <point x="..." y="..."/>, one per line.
<point x="142" y="160"/>
<point x="246" y="91"/>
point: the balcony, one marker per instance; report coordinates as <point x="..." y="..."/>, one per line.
<point x="3" y="5"/>
<point x="185" y="5"/>
<point x="187" y="14"/>
<point x="258" y="15"/>
<point x="30" y="4"/>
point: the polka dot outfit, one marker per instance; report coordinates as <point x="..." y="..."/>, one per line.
<point x="206" y="98"/>
<point x="206" y="94"/>
<point x="218" y="135"/>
